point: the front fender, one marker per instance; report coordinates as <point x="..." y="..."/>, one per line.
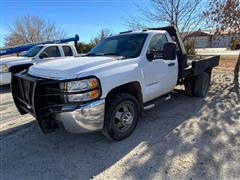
<point x="120" y="76"/>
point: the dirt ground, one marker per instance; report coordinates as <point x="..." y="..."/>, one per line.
<point x="182" y="138"/>
<point x="227" y="63"/>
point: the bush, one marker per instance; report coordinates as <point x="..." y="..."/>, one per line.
<point x="83" y="48"/>
<point x="190" y="46"/>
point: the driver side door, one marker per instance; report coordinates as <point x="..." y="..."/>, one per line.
<point x="163" y="72"/>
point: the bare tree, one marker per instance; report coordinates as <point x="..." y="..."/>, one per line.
<point x="32" y="29"/>
<point x="103" y="34"/>
<point x="225" y="15"/>
<point x="186" y="15"/>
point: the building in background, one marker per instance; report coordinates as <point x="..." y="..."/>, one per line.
<point x="213" y="39"/>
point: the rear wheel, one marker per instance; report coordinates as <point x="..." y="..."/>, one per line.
<point x="189" y="87"/>
<point x="121" y="116"/>
<point x="201" y="85"/>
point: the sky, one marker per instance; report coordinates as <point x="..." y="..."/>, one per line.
<point x="83" y="17"/>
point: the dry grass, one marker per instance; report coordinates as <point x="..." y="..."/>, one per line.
<point x="227" y="63"/>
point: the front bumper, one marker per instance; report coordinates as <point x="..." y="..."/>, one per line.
<point x="5" y="78"/>
<point x="44" y="99"/>
<point x="88" y="118"/>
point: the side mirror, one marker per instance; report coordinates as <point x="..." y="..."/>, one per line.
<point x="151" y="55"/>
<point x="43" y="55"/>
<point x="170" y="51"/>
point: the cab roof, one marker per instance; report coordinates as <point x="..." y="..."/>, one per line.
<point x="144" y="32"/>
<point x="60" y="44"/>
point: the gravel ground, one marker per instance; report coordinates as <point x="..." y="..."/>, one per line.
<point x="10" y="118"/>
<point x="182" y="138"/>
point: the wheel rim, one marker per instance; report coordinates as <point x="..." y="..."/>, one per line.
<point x="124" y="117"/>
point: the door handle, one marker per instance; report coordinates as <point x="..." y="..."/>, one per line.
<point x="171" y="64"/>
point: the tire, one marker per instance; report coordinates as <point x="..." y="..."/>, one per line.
<point x="201" y="85"/>
<point x="189" y="87"/>
<point x="121" y="116"/>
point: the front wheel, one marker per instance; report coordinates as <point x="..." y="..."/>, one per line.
<point x="121" y="116"/>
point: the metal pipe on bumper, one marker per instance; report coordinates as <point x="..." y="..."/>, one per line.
<point x="88" y="118"/>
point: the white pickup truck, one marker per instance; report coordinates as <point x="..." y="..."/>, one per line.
<point x="37" y="54"/>
<point x="108" y="88"/>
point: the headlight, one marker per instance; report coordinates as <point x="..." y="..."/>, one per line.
<point x="82" y="90"/>
<point x="84" y="97"/>
<point x="82" y="85"/>
<point x="4" y="68"/>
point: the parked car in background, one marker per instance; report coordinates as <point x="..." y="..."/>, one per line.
<point x="36" y="54"/>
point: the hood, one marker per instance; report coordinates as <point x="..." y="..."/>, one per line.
<point x="10" y="61"/>
<point x="73" y="68"/>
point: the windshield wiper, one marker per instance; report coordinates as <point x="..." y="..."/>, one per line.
<point x="110" y="54"/>
<point x="105" y="54"/>
<point x="90" y="54"/>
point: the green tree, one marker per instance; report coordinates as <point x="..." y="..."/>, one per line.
<point x="83" y="47"/>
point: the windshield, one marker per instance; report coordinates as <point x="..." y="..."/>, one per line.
<point x="129" y="46"/>
<point x="33" y="51"/>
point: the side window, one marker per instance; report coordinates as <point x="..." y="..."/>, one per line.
<point x="157" y="42"/>
<point x="67" y="51"/>
<point x="52" y="51"/>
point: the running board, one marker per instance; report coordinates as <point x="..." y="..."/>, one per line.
<point x="165" y="97"/>
<point x="149" y="106"/>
